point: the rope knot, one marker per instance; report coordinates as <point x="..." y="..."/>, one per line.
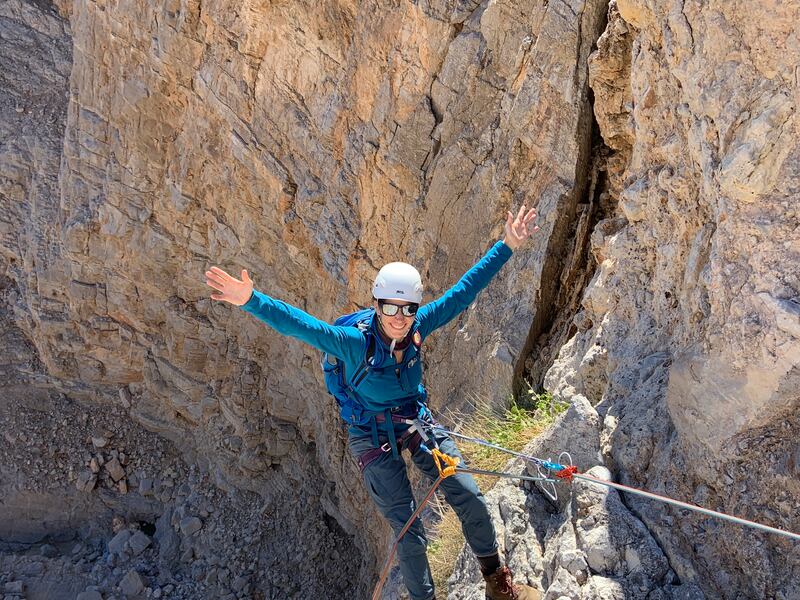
<point x="440" y="458"/>
<point x="567" y="472"/>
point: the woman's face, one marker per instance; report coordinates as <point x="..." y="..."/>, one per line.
<point x="397" y="326"/>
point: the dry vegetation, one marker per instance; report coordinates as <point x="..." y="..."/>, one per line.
<point x="526" y="418"/>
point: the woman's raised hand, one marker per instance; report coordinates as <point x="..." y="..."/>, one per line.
<point x="517" y="228"/>
<point x="230" y="289"/>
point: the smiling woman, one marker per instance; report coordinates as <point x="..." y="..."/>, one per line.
<point x="394" y="322"/>
<point x="376" y="359"/>
<point x="397" y="293"/>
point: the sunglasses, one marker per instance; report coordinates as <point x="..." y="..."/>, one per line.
<point x="390" y="310"/>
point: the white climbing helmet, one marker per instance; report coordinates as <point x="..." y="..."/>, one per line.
<point x="398" y="281"/>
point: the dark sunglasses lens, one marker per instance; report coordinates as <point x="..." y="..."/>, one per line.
<point x="389" y="310"/>
<point x="410" y="310"/>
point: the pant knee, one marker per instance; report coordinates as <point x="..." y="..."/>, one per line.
<point x="475" y="508"/>
<point x="469" y="503"/>
<point x="415" y="532"/>
<point x="412" y="546"/>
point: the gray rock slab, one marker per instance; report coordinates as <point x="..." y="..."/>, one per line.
<point x="115" y="469"/>
<point x="132" y="584"/>
<point x="117" y="543"/>
<point x="190" y="525"/>
<point x="139" y="542"/>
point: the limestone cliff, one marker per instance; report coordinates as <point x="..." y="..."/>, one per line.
<point x="688" y="333"/>
<point x="310" y="142"/>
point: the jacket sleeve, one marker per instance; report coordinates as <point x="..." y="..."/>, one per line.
<point x="444" y="309"/>
<point x="346" y="343"/>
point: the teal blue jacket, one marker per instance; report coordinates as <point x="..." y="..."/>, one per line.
<point x="389" y="384"/>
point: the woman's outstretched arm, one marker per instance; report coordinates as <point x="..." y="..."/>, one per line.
<point x="445" y="308"/>
<point x="346" y="343"/>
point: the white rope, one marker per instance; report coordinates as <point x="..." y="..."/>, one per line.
<point x="687" y="506"/>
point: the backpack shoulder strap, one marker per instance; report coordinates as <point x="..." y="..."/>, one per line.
<point x="363" y="368"/>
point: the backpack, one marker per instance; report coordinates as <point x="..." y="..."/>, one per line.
<point x="339" y="383"/>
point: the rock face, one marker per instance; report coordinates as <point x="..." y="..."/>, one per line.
<point x="594" y="549"/>
<point x="310" y="143"/>
<point x="308" y="151"/>
<point x="688" y="338"/>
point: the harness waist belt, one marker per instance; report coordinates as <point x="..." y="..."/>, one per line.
<point x="410" y="441"/>
<point x="396" y="417"/>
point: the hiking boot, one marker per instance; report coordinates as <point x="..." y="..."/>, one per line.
<point x="499" y="586"/>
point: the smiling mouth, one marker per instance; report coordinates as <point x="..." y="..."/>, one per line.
<point x="397" y="327"/>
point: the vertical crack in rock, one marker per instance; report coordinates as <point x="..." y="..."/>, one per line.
<point x="567" y="266"/>
<point x="569" y="269"/>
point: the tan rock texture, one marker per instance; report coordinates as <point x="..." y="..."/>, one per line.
<point x="310" y="142"/>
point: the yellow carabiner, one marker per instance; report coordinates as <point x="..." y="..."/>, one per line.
<point x="440" y="457"/>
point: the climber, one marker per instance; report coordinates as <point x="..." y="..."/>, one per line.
<point x="384" y="351"/>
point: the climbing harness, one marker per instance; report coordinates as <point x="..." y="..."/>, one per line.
<point x="413" y="438"/>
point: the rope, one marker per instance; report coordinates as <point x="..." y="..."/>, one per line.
<point x="446" y="465"/>
<point x="686" y="505"/>
<point x="570" y="472"/>
<point x="501" y="474"/>
<point x="527" y="457"/>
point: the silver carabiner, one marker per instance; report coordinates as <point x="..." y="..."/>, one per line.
<point x="547" y="486"/>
